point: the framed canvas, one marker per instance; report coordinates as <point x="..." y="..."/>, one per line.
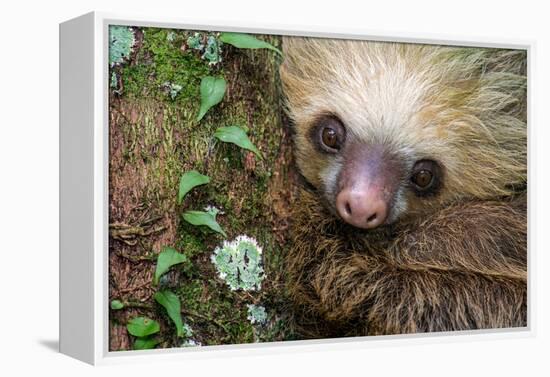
<point x="247" y="189"/>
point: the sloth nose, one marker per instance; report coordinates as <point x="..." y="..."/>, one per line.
<point x="361" y="208"/>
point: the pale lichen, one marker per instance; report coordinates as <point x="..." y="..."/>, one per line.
<point x="209" y="45"/>
<point x="188" y="333"/>
<point x="213" y="210"/>
<point x="173" y="89"/>
<point x="191" y="343"/>
<point x="114" y="81"/>
<point x="239" y="263"/>
<point x="256" y="314"/>
<point x="195" y="42"/>
<point x="121" y="42"/>
<point x="212" y="51"/>
<point x="187" y="330"/>
<point x="171" y="36"/>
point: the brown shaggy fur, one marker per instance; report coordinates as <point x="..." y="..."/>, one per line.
<point x="455" y="261"/>
<point x="462" y="268"/>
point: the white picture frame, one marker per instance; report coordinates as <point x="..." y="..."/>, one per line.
<point x="84" y="192"/>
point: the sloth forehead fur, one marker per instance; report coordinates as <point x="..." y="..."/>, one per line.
<point x="463" y="107"/>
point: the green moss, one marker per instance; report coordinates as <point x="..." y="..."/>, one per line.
<point x="190" y="244"/>
<point x="190" y="294"/>
<point x="218" y="316"/>
<point x="172" y="65"/>
<point x="162" y="139"/>
<point x="160" y="61"/>
<point x="242" y="332"/>
<point x="137" y="80"/>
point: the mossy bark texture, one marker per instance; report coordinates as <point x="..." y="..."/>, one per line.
<point x="154" y="138"/>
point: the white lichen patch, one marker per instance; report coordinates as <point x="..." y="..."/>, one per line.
<point x="195" y="42"/>
<point x="239" y="263"/>
<point x="213" y="210"/>
<point x="173" y="89"/>
<point x="188" y="333"/>
<point x="171" y="36"/>
<point x="121" y="42"/>
<point x="209" y="45"/>
<point x="187" y="330"/>
<point x="212" y="51"/>
<point x="114" y="80"/>
<point x="191" y="343"/>
<point x="256" y="314"/>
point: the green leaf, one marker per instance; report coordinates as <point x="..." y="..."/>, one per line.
<point x="167" y="258"/>
<point x="116" y="305"/>
<point x="236" y="135"/>
<point x="241" y="40"/>
<point x="203" y="218"/>
<point x="172" y="304"/>
<point x="189" y="180"/>
<point x="145" y="343"/>
<point x="142" y="326"/>
<point x="212" y="92"/>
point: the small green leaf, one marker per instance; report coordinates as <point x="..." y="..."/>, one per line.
<point x="167" y="258"/>
<point x="241" y="40"/>
<point x="172" y="304"/>
<point x="212" y="92"/>
<point x="236" y="135"/>
<point x="116" y="305"/>
<point x="189" y="180"/>
<point x="142" y="326"/>
<point x="145" y="343"/>
<point x="203" y="218"/>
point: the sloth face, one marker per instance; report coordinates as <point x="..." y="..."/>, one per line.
<point x="367" y="184"/>
<point x="389" y="131"/>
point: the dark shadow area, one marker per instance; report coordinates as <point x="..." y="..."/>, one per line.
<point x="52" y="345"/>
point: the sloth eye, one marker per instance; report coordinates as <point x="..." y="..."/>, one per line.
<point x="330" y="134"/>
<point x="426" y="177"/>
<point x="423" y="178"/>
<point x="329" y="137"/>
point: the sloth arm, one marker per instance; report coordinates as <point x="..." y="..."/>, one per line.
<point x="463" y="268"/>
<point x="484" y="237"/>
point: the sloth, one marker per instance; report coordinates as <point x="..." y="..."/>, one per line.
<point x="412" y="215"/>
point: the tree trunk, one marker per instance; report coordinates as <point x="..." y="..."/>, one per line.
<point x="154" y="138"/>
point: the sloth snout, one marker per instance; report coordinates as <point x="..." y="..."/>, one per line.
<point x="361" y="208"/>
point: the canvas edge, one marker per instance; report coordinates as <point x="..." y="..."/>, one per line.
<point x="76" y="188"/>
<point x="102" y="355"/>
